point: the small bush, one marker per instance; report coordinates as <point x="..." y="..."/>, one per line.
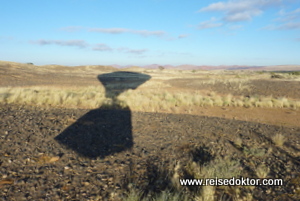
<point x="278" y="139"/>
<point x="276" y="76"/>
<point x="161" y="68"/>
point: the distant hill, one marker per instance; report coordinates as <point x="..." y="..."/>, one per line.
<point x="224" y="67"/>
<point x="113" y="67"/>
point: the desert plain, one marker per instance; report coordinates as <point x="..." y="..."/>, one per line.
<point x="102" y="133"/>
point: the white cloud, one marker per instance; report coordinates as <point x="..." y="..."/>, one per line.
<point x="183" y="36"/>
<point x="242" y="16"/>
<point x="123" y="30"/>
<point x="102" y="47"/>
<point x="76" y="43"/>
<point x="235" y="27"/>
<point x="212" y="23"/>
<point x="132" y="51"/>
<point x="288" y="16"/>
<point x="82" y="44"/>
<point x="72" y="28"/>
<point x="240" y="10"/>
<point x="148" y="33"/>
<point x="110" y="30"/>
<point x="290" y="25"/>
<point x="145" y="33"/>
<point x="287" y="21"/>
<point x="137" y="51"/>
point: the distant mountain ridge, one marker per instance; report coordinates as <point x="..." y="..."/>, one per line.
<point x="220" y="67"/>
<point x="171" y="67"/>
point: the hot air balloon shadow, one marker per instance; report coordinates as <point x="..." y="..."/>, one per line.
<point x="105" y="130"/>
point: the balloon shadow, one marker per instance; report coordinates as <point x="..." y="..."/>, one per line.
<point x="106" y="130"/>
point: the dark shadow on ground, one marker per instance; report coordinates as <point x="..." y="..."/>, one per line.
<point x="106" y="130"/>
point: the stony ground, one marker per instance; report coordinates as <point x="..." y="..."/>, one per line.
<point x="35" y="166"/>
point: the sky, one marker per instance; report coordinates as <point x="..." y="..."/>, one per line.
<point x="144" y="32"/>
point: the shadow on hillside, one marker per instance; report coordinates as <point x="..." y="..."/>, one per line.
<point x="105" y="130"/>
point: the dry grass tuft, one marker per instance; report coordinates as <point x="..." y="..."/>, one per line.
<point x="278" y="139"/>
<point x="207" y="194"/>
<point x="238" y="142"/>
<point x="254" y="152"/>
<point x="262" y="171"/>
<point x="134" y="195"/>
<point x="175" y="178"/>
<point x="217" y="168"/>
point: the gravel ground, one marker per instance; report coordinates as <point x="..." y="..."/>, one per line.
<point x="44" y="154"/>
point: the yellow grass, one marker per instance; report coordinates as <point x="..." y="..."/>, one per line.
<point x="143" y="99"/>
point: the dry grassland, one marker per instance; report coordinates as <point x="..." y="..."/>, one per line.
<point x="158" y="95"/>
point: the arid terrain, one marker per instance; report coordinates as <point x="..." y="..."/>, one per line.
<point x="101" y="133"/>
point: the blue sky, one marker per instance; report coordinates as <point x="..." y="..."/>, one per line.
<point x="142" y="32"/>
